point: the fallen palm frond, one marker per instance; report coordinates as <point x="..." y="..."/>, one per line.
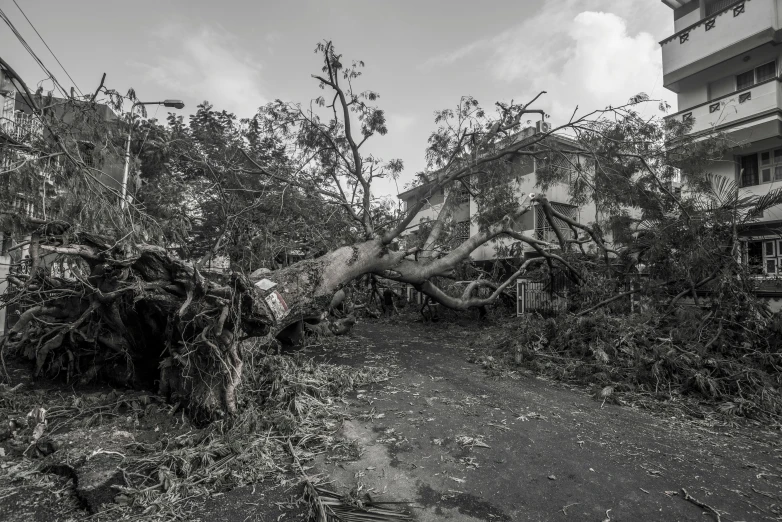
<point x="283" y="397"/>
<point x="327" y="506"/>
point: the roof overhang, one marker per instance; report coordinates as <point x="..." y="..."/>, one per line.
<point x="675" y="4"/>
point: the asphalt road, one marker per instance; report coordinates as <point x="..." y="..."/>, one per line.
<point x="459" y="445"/>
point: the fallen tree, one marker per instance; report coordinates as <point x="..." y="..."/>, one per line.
<point x="130" y="308"/>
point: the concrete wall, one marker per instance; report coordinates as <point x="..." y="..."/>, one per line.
<point x="688" y="18"/>
<point x="720" y="80"/>
<point x="730" y="36"/>
<point x="765" y="98"/>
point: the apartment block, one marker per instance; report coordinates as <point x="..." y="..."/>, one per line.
<point x="723" y="64"/>
<point x="523" y="181"/>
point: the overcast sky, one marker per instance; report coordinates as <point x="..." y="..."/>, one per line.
<point x="420" y="55"/>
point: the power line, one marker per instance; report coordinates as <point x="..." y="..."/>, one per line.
<point x="32" y="53"/>
<point x="49" y="48"/>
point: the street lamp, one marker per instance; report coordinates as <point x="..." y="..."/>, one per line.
<point x="174" y="104"/>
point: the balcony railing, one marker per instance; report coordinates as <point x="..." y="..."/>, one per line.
<point x="719" y="114"/>
<point x="740" y="25"/>
<point x="26" y="206"/>
<point x="717" y="6"/>
<point x="22" y="127"/>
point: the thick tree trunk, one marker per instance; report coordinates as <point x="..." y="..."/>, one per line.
<point x="146" y="318"/>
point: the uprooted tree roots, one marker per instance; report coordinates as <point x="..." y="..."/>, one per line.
<point x="138" y="318"/>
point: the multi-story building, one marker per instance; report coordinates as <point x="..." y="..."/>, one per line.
<point x="19" y="131"/>
<point x="524" y="181"/>
<point x="723" y="63"/>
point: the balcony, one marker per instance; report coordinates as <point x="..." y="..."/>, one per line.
<point x="749" y="114"/>
<point x="732" y="28"/>
<point x="22" y="127"/>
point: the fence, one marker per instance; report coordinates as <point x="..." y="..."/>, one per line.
<point x="552" y="296"/>
<point x="547" y="297"/>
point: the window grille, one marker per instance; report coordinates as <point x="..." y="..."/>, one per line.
<point x="462" y="195"/>
<point x="87" y="151"/>
<point x="543" y="229"/>
<point x="462" y="232"/>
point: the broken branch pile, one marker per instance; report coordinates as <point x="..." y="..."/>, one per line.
<point x="735" y="367"/>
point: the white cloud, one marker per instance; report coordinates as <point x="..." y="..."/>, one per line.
<point x="206" y="63"/>
<point x="399" y="123"/>
<point x="580" y="51"/>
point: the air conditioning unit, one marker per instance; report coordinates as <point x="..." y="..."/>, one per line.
<point x="542" y="127"/>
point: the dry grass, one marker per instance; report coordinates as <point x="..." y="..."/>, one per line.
<point x="285" y="400"/>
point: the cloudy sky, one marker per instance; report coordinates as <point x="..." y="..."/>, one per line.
<point x="420" y="55"/>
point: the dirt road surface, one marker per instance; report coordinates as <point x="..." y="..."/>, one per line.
<point x="461" y="446"/>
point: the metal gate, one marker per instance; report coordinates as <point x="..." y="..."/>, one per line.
<point x="546" y="297"/>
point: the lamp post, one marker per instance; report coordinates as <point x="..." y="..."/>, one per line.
<point x="175" y="104"/>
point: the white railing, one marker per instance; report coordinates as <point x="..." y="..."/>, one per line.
<point x="732" y="108"/>
<point x="22" y="127"/>
<point x="745" y="25"/>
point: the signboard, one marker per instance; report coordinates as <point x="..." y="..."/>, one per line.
<point x="277" y="305"/>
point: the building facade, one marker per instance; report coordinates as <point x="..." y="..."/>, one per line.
<point x="523" y="182"/>
<point x="723" y="64"/>
<point x="20" y="129"/>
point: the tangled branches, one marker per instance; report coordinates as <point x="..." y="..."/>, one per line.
<point x="735" y="366"/>
<point x="133" y="316"/>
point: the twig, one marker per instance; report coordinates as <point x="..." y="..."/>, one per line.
<point x="690" y="498"/>
<point x="564" y="509"/>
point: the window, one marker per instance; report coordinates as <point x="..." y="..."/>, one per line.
<point x="754" y="257"/>
<point x="462" y="231"/>
<point x="763" y="257"/>
<point x="462" y="195"/>
<point x="765" y="72"/>
<point x="772" y="257"/>
<point x="87" y="151"/>
<point x="745" y="80"/>
<point x="770" y="168"/>
<point x="760" y="74"/>
<point x="543" y="229"/>
<point x="6" y="243"/>
<point x="765" y="161"/>
<point x="749" y="170"/>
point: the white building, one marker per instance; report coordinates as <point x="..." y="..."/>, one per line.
<point x="723" y="63"/>
<point x="533" y="224"/>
